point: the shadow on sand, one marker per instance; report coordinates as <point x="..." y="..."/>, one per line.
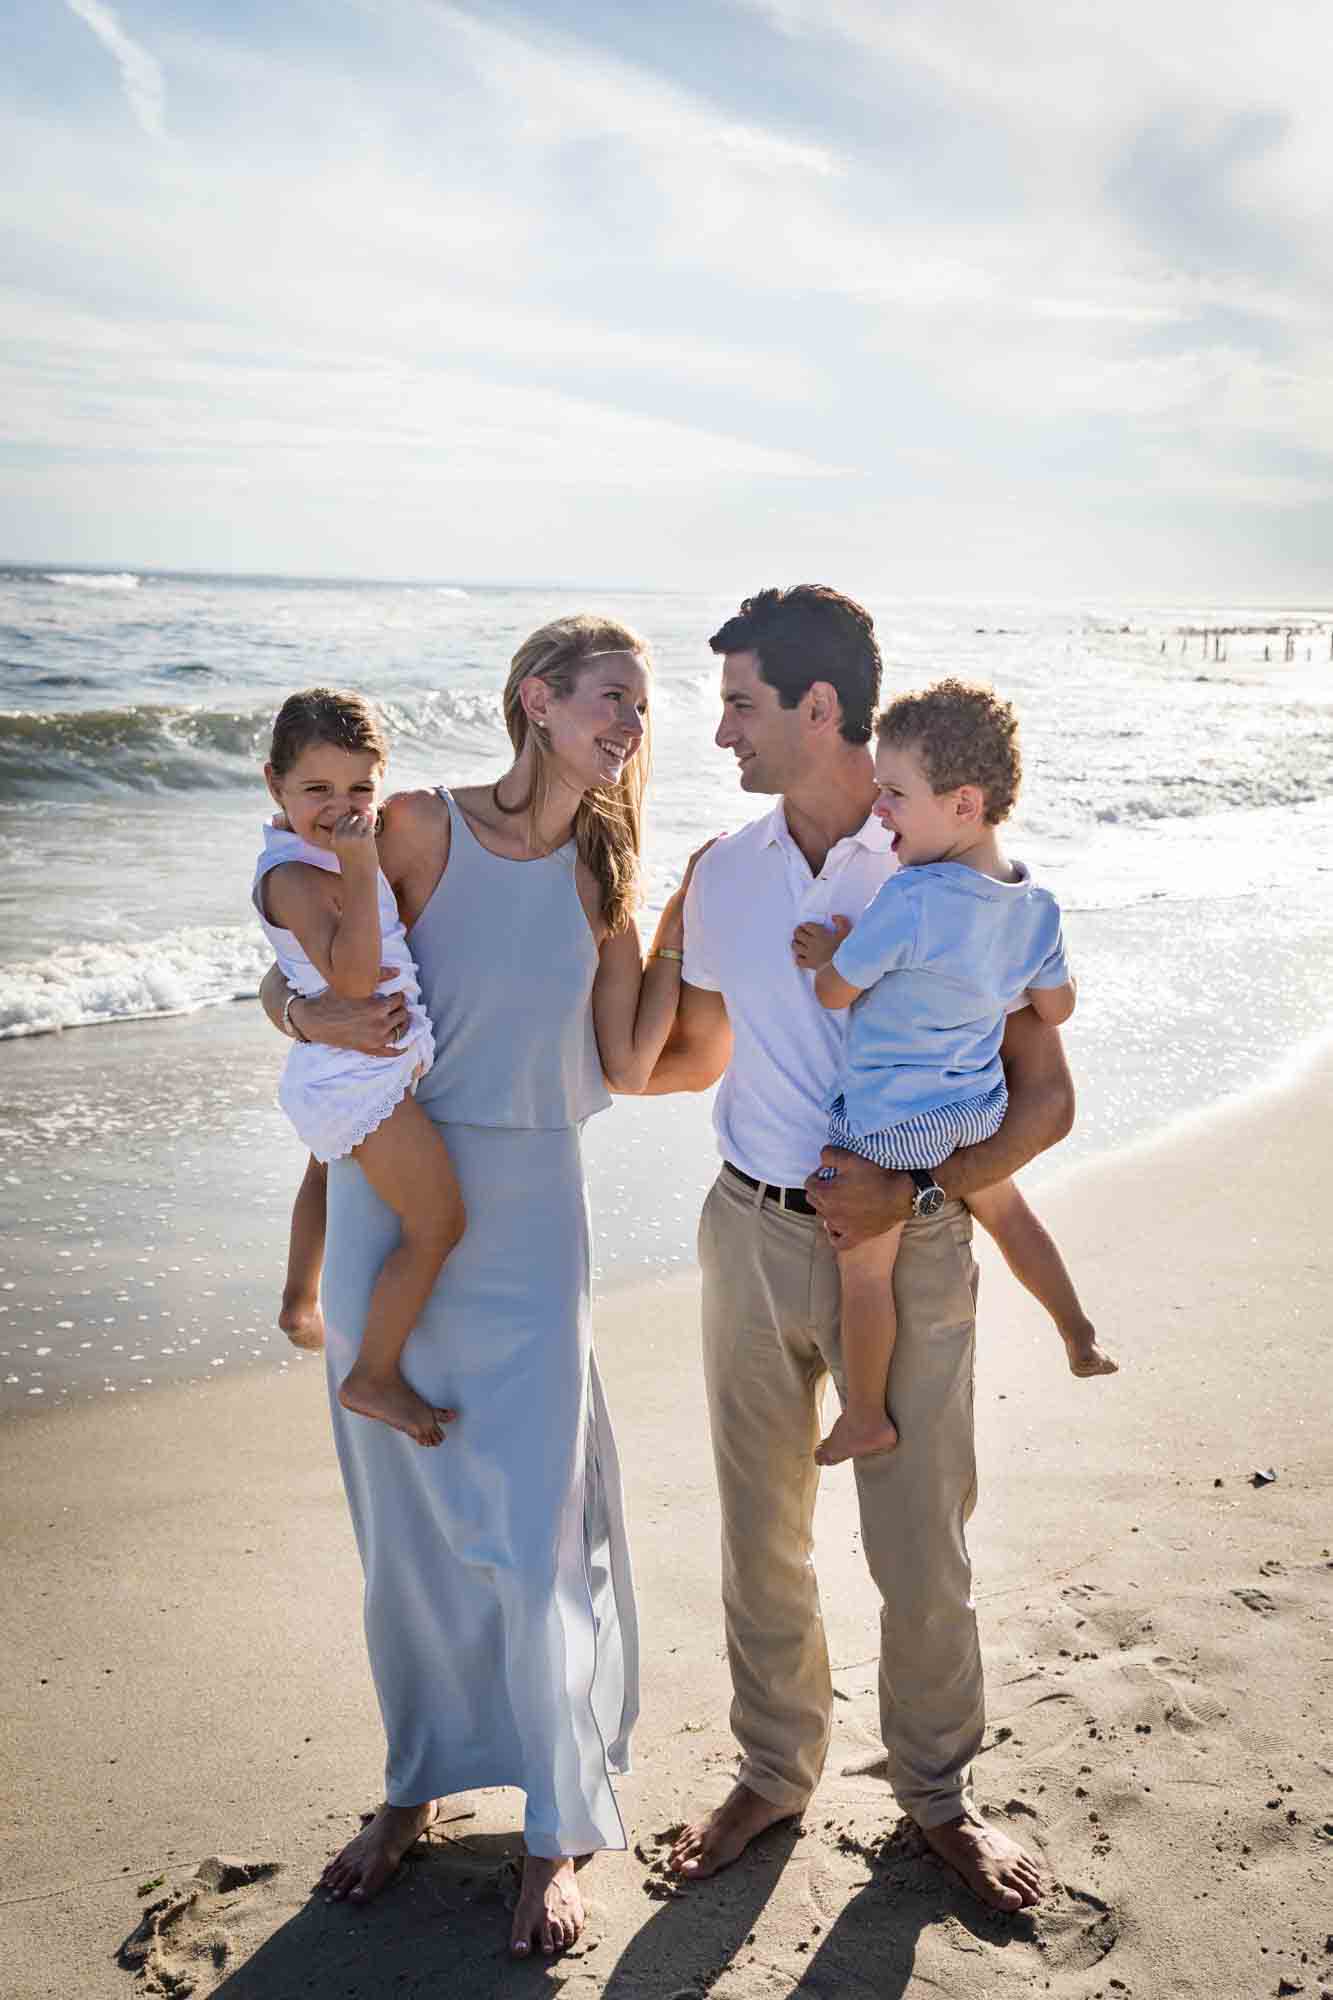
<point x="441" y="1929"/>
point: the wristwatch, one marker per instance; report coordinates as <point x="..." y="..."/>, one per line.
<point x="930" y="1197"/>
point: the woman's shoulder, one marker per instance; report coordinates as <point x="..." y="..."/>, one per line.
<point x="403" y="811"/>
<point x="413" y="848"/>
<point x="410" y="821"/>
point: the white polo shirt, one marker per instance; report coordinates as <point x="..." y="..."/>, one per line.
<point x="748" y="895"/>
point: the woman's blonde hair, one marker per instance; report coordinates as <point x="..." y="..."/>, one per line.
<point x="608" y="826"/>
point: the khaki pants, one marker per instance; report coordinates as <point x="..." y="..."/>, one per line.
<point x="770" y="1331"/>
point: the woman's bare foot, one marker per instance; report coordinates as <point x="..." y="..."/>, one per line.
<point x="723" y="1835"/>
<point x="370" y="1860"/>
<point x="1085" y="1357"/>
<point x="303" y="1323"/>
<point x="856" y="1438"/>
<point x="549" y="1908"/>
<point x="392" y="1401"/>
<point x="994" y="1867"/>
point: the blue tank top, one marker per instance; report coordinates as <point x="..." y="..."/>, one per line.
<point x="506" y="960"/>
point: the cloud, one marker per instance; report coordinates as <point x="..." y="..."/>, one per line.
<point x="140" y="73"/>
<point x="777" y="274"/>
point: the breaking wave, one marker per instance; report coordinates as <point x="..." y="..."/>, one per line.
<point x="85" y="579"/>
<point x="149" y="748"/>
<point x="80" y="985"/>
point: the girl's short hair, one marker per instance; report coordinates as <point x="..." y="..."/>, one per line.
<point x="325" y="715"/>
<point x="966" y="736"/>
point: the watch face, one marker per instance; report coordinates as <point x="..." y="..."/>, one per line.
<point x="930" y="1201"/>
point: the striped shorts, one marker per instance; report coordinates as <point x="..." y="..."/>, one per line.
<point x="927" y="1140"/>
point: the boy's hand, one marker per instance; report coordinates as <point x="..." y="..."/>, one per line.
<point x="353" y="838"/>
<point x="813" y="945"/>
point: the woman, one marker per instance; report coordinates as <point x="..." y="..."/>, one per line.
<point x="499" y="1606"/>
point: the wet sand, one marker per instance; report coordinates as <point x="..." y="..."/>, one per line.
<point x="187" y="1681"/>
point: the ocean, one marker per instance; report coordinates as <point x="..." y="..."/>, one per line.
<point x="1178" y="799"/>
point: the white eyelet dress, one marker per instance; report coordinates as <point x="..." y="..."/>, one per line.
<point x="334" y="1097"/>
<point x="499" y="1606"/>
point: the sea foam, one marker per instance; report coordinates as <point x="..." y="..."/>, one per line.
<point x="79" y="985"/>
<point x="82" y="579"/>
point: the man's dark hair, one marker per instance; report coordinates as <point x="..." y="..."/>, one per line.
<point x="807" y="634"/>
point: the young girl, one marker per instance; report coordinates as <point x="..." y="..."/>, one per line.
<point x="945" y="949"/>
<point x="332" y="921"/>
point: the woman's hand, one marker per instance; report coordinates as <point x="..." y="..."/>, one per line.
<point x="671" y="928"/>
<point x="813" y="945"/>
<point x="371" y="1027"/>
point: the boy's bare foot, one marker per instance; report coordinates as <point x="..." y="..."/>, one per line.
<point x="723" y="1835"/>
<point x="1085" y="1357"/>
<point x="371" y="1859"/>
<point x="392" y="1401"/>
<point x="303" y="1323"/>
<point x="854" y="1439"/>
<point x="994" y="1867"/>
<point x="549" y="1908"/>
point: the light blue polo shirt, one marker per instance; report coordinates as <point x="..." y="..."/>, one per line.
<point x="944" y="953"/>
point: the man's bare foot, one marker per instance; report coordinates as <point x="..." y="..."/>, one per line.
<point x="370" y="1860"/>
<point x="303" y="1323"/>
<point x="849" y="1439"/>
<point x="1085" y="1357"/>
<point x="549" y="1908"/>
<point x="392" y="1401"/>
<point x="994" y="1867"/>
<point x="723" y="1835"/>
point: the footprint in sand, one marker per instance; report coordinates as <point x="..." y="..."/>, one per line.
<point x="1256" y="1600"/>
<point x="1077" y="1930"/>
<point x="181" y="1945"/>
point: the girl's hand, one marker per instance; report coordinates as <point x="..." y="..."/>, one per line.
<point x="813" y="945"/>
<point x="353" y="837"/>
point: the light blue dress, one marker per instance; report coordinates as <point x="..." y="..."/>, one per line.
<point x="499" y="1605"/>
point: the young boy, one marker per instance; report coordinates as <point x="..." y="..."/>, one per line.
<point x="949" y="945"/>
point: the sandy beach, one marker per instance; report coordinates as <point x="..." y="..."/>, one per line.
<point x="187" y="1679"/>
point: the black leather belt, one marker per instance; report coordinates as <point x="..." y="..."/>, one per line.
<point x="795" y="1200"/>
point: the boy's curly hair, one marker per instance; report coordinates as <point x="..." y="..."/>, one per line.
<point x="966" y="736"/>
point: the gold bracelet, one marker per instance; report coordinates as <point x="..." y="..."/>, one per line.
<point x="668" y="951"/>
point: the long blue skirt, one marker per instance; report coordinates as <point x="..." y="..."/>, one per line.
<point x="499" y="1605"/>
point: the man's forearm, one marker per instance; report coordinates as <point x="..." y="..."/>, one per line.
<point x="865" y="1200"/>
<point x="1040" y="1114"/>
<point x="682" y="1068"/>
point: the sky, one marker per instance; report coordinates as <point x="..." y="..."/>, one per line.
<point x="925" y="298"/>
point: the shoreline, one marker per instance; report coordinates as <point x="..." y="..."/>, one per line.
<point x="186" y="1642"/>
<point x="147" y="1186"/>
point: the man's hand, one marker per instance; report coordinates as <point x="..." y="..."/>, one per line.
<point x="371" y="1027"/>
<point x="813" y="945"/>
<point x="863" y="1201"/>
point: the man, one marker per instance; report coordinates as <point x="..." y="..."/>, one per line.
<point x="800" y="678"/>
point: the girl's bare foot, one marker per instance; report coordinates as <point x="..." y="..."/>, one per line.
<point x="303" y="1323"/>
<point x="549" y="1908"/>
<point x="1085" y="1357"/>
<point x="857" y="1438"/>
<point x="392" y="1401"/>
<point x="370" y="1860"/>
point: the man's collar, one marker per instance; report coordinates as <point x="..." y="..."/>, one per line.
<point x="873" y="835"/>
